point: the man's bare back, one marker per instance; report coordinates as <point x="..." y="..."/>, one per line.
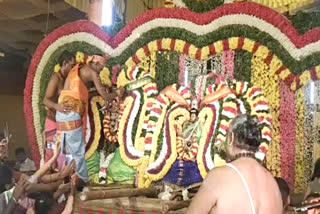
<point x="90" y="77"/>
<point x="224" y="192"/>
<point x="85" y="73"/>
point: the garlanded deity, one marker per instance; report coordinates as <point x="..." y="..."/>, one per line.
<point x="190" y="135"/>
<point x="111" y="121"/>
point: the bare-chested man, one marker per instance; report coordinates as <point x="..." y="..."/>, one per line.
<point x="74" y="97"/>
<point x="55" y="85"/>
<point x="243" y="186"/>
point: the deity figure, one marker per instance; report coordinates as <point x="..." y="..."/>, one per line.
<point x="189" y="136"/>
<point x="111" y="120"/>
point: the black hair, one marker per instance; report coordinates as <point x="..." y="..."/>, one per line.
<point x="6" y="176"/>
<point x="44" y="202"/>
<point x="65" y="57"/>
<point x="19" y="151"/>
<point x="1" y="136"/>
<point x="284" y="190"/>
<point x="316" y="171"/>
<point x="247" y="132"/>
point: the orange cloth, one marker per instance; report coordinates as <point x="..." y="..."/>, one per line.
<point x="77" y="96"/>
<point x="50" y="129"/>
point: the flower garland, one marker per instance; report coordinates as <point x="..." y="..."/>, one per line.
<point x="126" y="134"/>
<point x="159" y="168"/>
<point x="105" y="77"/>
<point x="187" y="154"/>
<point x="262" y="78"/>
<point x="284" y="5"/>
<point x="242" y="66"/>
<point x="214" y="32"/>
<point x="306" y="77"/>
<point x="234" y="43"/>
<point x="113" y="138"/>
<point x="288" y="133"/>
<point x="301" y="179"/>
<point x="154" y="125"/>
<point x="228" y="62"/>
<point x="309" y="140"/>
<point x="95" y="102"/>
<point x="208" y="116"/>
<point x="255" y="103"/>
<point x="198" y="6"/>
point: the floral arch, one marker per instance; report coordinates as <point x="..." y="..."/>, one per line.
<point x="281" y="63"/>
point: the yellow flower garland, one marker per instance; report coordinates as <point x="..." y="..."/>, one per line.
<point x="139" y="141"/>
<point x="268" y="81"/>
<point x="206" y="118"/>
<point x="128" y="103"/>
<point x="179" y="112"/>
<point x="57" y="68"/>
<point x="301" y="179"/>
<point x="97" y="124"/>
<point x="105" y="77"/>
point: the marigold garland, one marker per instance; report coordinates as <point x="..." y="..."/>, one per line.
<point x="208" y="116"/>
<point x="105" y="77"/>
<point x="57" y="68"/>
<point x="94" y="102"/>
<point x="125" y="45"/>
<point x="111" y="137"/>
<point x="301" y="178"/>
<point x="262" y="78"/>
<point x="309" y="140"/>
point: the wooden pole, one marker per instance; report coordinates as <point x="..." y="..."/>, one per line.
<point x="173" y="206"/>
<point x="107" y="187"/>
<point x="118" y="193"/>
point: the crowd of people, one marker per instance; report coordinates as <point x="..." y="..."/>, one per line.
<point x="244" y="185"/>
<point x="51" y="188"/>
<point x="24" y="189"/>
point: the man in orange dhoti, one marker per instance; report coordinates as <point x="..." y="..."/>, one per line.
<point x="74" y="97"/>
<point x="55" y="85"/>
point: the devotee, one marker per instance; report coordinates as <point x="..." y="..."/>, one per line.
<point x="55" y="85"/>
<point x="242" y="186"/>
<point x="313" y="189"/>
<point x="3" y="147"/>
<point x="74" y="97"/>
<point x="6" y="176"/>
<point x="313" y="201"/>
<point x="285" y="194"/>
<point x="24" y="164"/>
<point x="25" y="184"/>
<point x="9" y="199"/>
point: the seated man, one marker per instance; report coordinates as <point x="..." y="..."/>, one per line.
<point x="74" y="97"/>
<point x="24" y="164"/>
<point x="242" y="186"/>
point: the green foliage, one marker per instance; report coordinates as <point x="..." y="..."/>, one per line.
<point x="167" y="69"/>
<point x="242" y="66"/>
<point x="304" y="22"/>
<point x="49" y="67"/>
<point x="202" y="7"/>
<point x="213" y="146"/>
<point x="138" y="116"/>
<point x="296" y="67"/>
<point x="160" y="142"/>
